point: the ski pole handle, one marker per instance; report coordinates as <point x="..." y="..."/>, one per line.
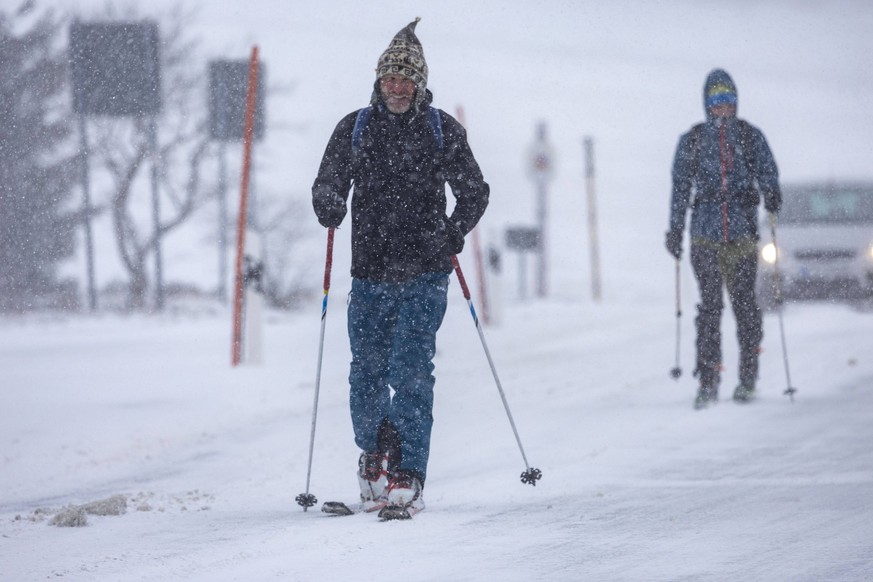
<point x="772" y="219"/>
<point x="461" y="280"/>
<point x="328" y="263"/>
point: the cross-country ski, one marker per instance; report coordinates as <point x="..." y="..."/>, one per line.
<point x="340" y="508"/>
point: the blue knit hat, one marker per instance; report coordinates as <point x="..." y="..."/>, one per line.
<point x="719" y="89"/>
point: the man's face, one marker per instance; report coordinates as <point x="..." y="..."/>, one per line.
<point x="724" y="110"/>
<point x="397" y="92"/>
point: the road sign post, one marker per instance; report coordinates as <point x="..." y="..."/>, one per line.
<point x="541" y="171"/>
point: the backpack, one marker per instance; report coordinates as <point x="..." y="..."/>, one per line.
<point x="363" y="118"/>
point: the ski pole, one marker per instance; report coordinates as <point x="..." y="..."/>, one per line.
<point x="677" y="371"/>
<point x="531" y="475"/>
<point x="789" y="390"/>
<point x="307" y="499"/>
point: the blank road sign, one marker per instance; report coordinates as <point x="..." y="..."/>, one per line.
<point x="116" y="68"/>
<point x="228" y="86"/>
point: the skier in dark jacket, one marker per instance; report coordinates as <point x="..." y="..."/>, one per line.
<point x="728" y="166"/>
<point x="402" y="154"/>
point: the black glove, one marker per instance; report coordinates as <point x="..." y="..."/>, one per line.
<point x="329" y="207"/>
<point x="453" y="236"/>
<point x="772" y="204"/>
<point x="674" y="243"/>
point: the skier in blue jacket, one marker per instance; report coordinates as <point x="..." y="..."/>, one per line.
<point x="399" y="153"/>
<point x="722" y="169"/>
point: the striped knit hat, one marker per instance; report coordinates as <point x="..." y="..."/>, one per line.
<point x="405" y="56"/>
<point x="719" y="89"/>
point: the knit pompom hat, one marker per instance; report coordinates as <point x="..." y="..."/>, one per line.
<point x="405" y="56"/>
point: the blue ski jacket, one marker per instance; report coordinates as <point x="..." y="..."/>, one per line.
<point x="721" y="169"/>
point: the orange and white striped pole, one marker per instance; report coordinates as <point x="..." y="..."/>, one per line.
<point x="477" y="249"/>
<point x="248" y="138"/>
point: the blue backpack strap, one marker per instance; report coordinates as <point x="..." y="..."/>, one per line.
<point x="361" y="122"/>
<point x="746" y="140"/>
<point x="363" y="118"/>
<point x="436" y="125"/>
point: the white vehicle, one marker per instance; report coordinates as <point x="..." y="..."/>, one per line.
<point x="824" y="234"/>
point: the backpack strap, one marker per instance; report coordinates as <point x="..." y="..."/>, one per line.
<point x="746" y="143"/>
<point x="363" y="118"/>
<point x="694" y="144"/>
<point x="361" y="122"/>
<point x="436" y="125"/>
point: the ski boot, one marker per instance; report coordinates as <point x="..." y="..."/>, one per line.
<point x="705" y="395"/>
<point x="373" y="478"/>
<point x="404" y="497"/>
<point x="744" y="393"/>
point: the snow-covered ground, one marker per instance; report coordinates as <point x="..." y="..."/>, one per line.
<point x="636" y="485"/>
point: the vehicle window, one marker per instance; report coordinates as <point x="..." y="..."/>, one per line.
<point x="827" y="206"/>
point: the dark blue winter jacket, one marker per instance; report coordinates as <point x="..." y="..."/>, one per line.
<point x="399" y="174"/>
<point x="722" y="168"/>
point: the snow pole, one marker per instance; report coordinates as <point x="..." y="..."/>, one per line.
<point x="248" y="138"/>
<point x="676" y="372"/>
<point x="477" y="248"/>
<point x="307" y="499"/>
<point x="789" y="391"/>
<point x="530" y="475"/>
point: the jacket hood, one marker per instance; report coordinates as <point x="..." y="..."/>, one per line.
<point x="719" y="89"/>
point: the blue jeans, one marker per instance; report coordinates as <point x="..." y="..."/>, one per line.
<point x="392" y="332"/>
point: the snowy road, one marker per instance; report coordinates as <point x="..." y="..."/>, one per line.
<point x="636" y="484"/>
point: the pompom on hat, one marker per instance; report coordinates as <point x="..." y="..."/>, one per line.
<point x="405" y="56"/>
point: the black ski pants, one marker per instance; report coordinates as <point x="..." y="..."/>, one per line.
<point x="734" y="265"/>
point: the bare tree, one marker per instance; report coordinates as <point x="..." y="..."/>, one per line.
<point x="122" y="147"/>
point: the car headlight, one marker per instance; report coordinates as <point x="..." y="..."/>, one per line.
<point x="870" y="252"/>
<point x="769" y="253"/>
